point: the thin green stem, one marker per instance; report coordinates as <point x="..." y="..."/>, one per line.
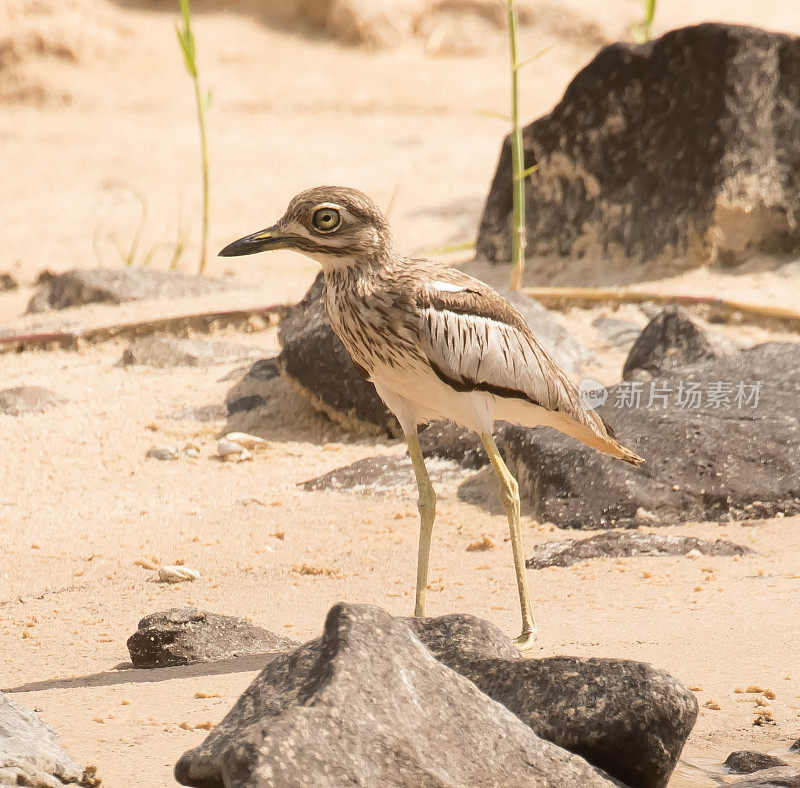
<point x="518" y="239"/>
<point x="201" y="123"/>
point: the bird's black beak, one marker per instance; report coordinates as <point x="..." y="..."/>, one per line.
<point x="271" y="238"/>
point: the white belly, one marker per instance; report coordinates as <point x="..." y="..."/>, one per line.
<point x="417" y="395"/>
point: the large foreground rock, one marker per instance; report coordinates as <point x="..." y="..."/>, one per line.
<point x="29" y="753"/>
<point x="316" y="361"/>
<point x="369" y="705"/>
<point x="181" y="636"/>
<point x="624" y="544"/>
<point x="683" y="147"/>
<point x="629" y="717"/>
<point x="713" y="459"/>
<point x="626" y="717"/>
<point x="116" y="285"/>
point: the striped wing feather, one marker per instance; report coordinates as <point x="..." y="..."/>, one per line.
<point x="476" y="341"/>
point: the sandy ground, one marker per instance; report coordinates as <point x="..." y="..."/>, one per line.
<point x="80" y="502"/>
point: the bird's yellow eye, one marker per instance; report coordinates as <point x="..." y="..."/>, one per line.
<point x="326" y="219"/>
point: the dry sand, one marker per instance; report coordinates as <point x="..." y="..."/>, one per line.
<point x="80" y="502"/>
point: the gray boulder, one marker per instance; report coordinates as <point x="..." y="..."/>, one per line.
<point x="182" y="636"/>
<point x="628" y="718"/>
<point x="116" y="285"/>
<point x="749" y="761"/>
<point x="368" y="704"/>
<point x="7" y="282"/>
<point x="623" y="544"/>
<point x="683" y="147"/>
<point x="29" y="752"/>
<point x="170" y="351"/>
<point x="671" y="339"/>
<point x="27" y="399"/>
<point x="712" y="459"/>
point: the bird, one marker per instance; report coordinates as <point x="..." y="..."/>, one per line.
<point x="437" y="344"/>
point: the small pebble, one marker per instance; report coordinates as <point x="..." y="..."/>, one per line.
<point x="207" y="695"/>
<point x="245" y="440"/>
<point x="695" y="688"/>
<point x="754" y="688"/>
<point x="177" y="574"/>
<point x="762" y="702"/>
<point x="694" y="553"/>
<point x="205" y="726"/>
<point x="712" y="704"/>
<point x="163" y="452"/>
<point x="768" y="693"/>
<point x="229" y="449"/>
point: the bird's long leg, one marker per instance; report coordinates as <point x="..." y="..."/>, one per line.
<point x="427" y="512"/>
<point x="509" y="496"/>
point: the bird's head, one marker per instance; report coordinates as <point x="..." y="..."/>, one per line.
<point x="333" y="225"/>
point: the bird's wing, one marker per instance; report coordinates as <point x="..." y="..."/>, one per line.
<point x="474" y="340"/>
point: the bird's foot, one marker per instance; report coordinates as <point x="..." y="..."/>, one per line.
<point x="526" y="640"/>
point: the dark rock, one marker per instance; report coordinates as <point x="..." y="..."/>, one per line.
<point x="377" y="474"/>
<point x="618" y="333"/>
<point x="671" y="339"/>
<point x="777" y="777"/>
<point x="369" y="704"/>
<point x="7" y="282"/>
<point x="703" y="463"/>
<point x="795" y="747"/>
<point x="27" y="399"/>
<point x="167" y="351"/>
<point x="623" y="544"/>
<point x="29" y="753"/>
<point x="115" y="285"/>
<point x="628" y="718"/>
<point x="252" y="389"/>
<point x="681" y="147"/>
<point x="245" y="404"/>
<point x="459" y="638"/>
<point x="264" y="369"/>
<point x="181" y="636"/>
<point x="315" y="360"/>
<point x="748" y="761"/>
<point x="448" y="441"/>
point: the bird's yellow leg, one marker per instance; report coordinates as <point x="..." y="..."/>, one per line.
<point x="509" y="496"/>
<point x="427" y="512"/>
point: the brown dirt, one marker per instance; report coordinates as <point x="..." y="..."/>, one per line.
<point x="80" y="502"/>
